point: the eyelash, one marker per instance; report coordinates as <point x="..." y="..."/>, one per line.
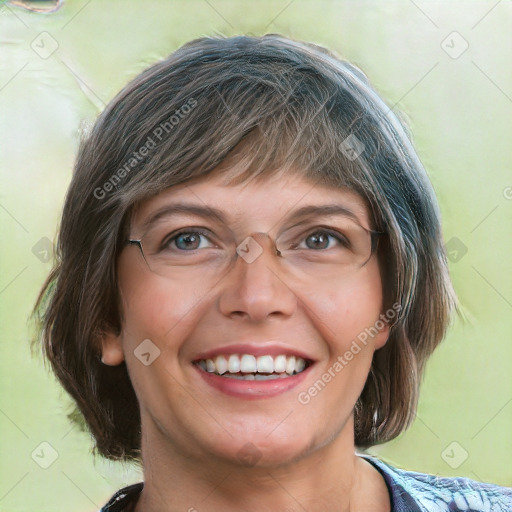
<point x="189" y="231"/>
<point x="318" y="230"/>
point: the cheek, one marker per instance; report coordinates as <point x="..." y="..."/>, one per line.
<point x="344" y="309"/>
<point x="163" y="313"/>
<point x="154" y="306"/>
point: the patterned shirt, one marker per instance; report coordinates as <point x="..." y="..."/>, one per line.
<point x="408" y="492"/>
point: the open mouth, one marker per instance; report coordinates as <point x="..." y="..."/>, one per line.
<point x="250" y="367"/>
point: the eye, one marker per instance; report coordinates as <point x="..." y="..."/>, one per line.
<point x="188" y="241"/>
<point x="321" y="239"/>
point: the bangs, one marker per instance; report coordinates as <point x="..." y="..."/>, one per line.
<point x="251" y="128"/>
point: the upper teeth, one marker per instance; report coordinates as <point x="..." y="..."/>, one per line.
<point x="247" y="363"/>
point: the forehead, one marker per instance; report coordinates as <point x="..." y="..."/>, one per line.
<point x="266" y="198"/>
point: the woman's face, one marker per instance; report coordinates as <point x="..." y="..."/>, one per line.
<point x="191" y="316"/>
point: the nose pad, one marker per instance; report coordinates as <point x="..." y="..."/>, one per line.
<point x="253" y="246"/>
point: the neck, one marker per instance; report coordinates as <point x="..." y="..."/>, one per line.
<point x="330" y="478"/>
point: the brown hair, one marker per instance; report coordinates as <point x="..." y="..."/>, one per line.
<point x="289" y="105"/>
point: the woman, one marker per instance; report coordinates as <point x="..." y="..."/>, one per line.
<point x="250" y="279"/>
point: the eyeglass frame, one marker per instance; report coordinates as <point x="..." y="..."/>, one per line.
<point x="374" y="235"/>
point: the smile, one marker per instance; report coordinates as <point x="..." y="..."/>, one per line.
<point x="250" y="367"/>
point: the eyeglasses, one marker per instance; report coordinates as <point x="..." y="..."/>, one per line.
<point x="317" y="252"/>
<point x="303" y="251"/>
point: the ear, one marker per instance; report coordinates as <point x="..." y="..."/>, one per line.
<point x="111" y="349"/>
<point x="382" y="336"/>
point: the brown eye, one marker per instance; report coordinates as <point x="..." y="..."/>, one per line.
<point x="187" y="241"/>
<point x="318" y="241"/>
<point x="321" y="239"/>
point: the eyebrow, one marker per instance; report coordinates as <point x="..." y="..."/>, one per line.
<point x="209" y="212"/>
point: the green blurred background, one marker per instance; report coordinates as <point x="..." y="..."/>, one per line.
<point x="58" y="70"/>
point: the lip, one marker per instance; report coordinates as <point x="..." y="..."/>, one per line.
<point x="259" y="349"/>
<point x="252" y="389"/>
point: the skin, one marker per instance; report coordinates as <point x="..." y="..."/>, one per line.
<point x="192" y="434"/>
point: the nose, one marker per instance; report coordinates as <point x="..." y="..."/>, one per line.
<point x="255" y="288"/>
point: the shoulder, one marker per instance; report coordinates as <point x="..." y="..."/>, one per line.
<point x="429" y="493"/>
<point x="124" y="500"/>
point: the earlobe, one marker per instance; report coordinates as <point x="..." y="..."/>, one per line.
<point x="382" y="337"/>
<point x="111" y="349"/>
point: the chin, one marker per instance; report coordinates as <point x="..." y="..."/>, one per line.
<point x="264" y="450"/>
